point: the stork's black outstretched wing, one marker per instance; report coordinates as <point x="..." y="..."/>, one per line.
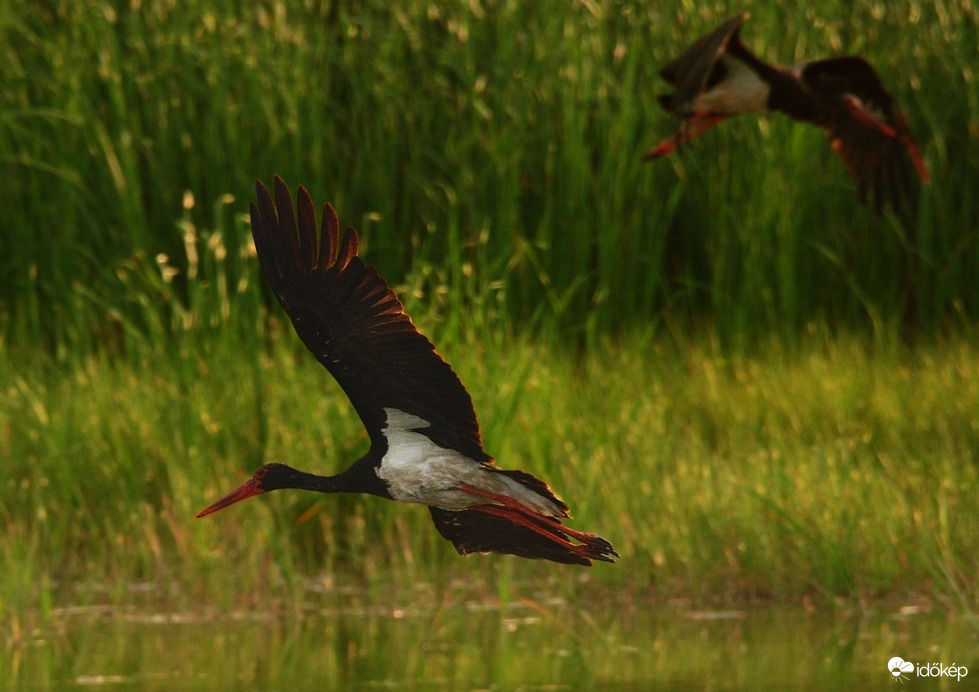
<point x="355" y="325"/>
<point x="699" y="68"/>
<point x="865" y="127"/>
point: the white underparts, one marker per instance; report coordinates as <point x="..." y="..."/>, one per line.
<point x="418" y="470"/>
<point x="741" y="91"/>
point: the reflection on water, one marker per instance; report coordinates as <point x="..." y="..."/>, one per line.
<point x="463" y="644"/>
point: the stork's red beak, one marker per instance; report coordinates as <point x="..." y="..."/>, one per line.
<point x="249" y="488"/>
<point x="695" y="126"/>
<point x="661" y="149"/>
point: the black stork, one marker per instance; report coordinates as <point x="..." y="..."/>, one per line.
<point x="425" y="442"/>
<point x="718" y="77"/>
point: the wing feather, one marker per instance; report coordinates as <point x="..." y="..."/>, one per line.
<point x="690" y="72"/>
<point x="865" y="127"/>
<point x="355" y="325"/>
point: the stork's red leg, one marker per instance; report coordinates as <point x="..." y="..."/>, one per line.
<point x="516" y="512"/>
<point x="919" y="162"/>
<point x="900" y="131"/>
<point x="504" y="500"/>
<point x="592" y="547"/>
<point x="520" y="519"/>
<point x="861" y="114"/>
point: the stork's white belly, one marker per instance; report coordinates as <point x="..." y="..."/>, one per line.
<point x="418" y="470"/>
<point x="742" y="91"/>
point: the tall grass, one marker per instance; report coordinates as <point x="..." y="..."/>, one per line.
<point x="499" y="136"/>
<point x="836" y="471"/>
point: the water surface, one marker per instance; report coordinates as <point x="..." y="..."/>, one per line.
<point x="477" y="644"/>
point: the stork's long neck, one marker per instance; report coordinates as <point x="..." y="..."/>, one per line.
<point x="360" y="477"/>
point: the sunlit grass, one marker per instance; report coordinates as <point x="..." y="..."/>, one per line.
<point x="833" y="471"/>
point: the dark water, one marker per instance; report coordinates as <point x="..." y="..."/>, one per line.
<point x="479" y="645"/>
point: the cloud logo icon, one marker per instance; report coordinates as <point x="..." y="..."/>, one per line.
<point x="898" y="666"/>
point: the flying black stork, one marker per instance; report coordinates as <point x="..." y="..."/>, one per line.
<point x="718" y="77"/>
<point x="425" y="442"/>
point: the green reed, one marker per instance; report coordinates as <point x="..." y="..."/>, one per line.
<point x="834" y="471"/>
<point x="499" y="136"/>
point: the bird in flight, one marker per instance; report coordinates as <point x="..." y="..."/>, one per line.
<point x="425" y="445"/>
<point x="718" y="77"/>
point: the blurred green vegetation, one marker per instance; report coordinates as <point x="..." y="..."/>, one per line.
<point x="496" y="140"/>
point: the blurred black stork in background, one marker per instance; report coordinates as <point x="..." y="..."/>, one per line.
<point x="425" y="441"/>
<point x="718" y="77"/>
